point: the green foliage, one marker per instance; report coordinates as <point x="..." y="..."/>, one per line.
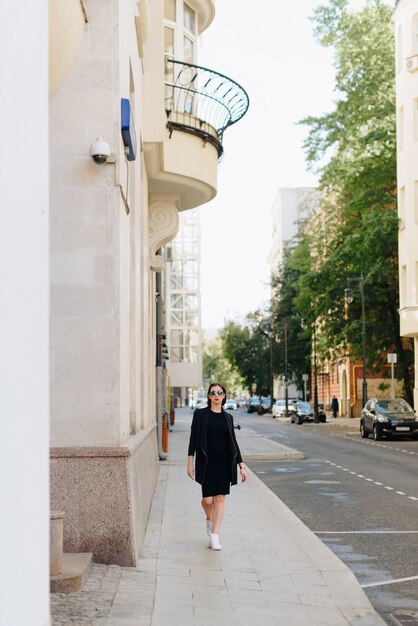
<point x="355" y="233"/>
<point x="217" y="368"/>
<point x="248" y="350"/>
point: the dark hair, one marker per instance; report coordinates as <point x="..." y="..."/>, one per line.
<point x="216" y="385"/>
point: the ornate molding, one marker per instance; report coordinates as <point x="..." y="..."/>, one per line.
<point x="163" y="227"/>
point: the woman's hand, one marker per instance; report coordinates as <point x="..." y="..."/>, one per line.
<point x="243" y="474"/>
<point x="190" y="469"/>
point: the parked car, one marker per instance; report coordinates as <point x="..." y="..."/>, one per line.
<point x="387" y="417"/>
<point x="253" y="404"/>
<point x="230" y="405"/>
<point x="264" y="406"/>
<point x="279" y="408"/>
<point x="301" y="412"/>
<point x="241" y="402"/>
<point x="200" y="403"/>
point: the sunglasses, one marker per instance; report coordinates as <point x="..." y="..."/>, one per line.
<point x="216" y="393"/>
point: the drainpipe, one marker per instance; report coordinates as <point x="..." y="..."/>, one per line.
<point x="159" y="371"/>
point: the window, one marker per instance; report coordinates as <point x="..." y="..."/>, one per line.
<point x="399" y="50"/>
<point x="416" y="200"/>
<point x="403" y="294"/>
<point x="181" y="20"/>
<point x="416" y="283"/>
<point x="401" y="211"/>
<point x="401" y="128"/>
<point x="189" y="18"/>
<point x="416" y="35"/>
<point x="170" y="10"/>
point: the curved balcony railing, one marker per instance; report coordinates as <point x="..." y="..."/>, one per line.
<point x="202" y="102"/>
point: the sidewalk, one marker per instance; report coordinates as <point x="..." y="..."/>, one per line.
<point x="272" y="569"/>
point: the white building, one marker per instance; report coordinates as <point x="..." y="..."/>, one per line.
<point x="406" y="32"/>
<point x="290" y="205"/>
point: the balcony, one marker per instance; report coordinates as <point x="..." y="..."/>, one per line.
<point x="199" y="105"/>
<point x="202" y="102"/>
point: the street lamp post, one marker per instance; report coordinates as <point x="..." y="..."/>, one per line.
<point x="315" y="402"/>
<point x="348" y="296"/>
<point x="286" y="392"/>
<point x="305" y="379"/>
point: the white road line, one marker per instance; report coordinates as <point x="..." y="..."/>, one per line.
<point x="366" y="532"/>
<point x="371" y="480"/>
<point x="390" y="582"/>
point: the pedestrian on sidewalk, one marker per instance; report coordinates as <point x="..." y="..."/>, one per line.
<point x="213" y="441"/>
<point x="334" y="406"/>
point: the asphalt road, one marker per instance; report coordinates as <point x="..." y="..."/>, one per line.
<point x="360" y="497"/>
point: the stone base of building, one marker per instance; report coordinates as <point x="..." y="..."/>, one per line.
<point x="106" y="495"/>
<point x="75" y="570"/>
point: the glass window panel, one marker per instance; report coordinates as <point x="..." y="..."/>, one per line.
<point x="170" y="10"/>
<point x="176" y="337"/>
<point x="191" y="354"/>
<point x="191" y="338"/>
<point x="190" y="283"/>
<point x="191" y="318"/>
<point x="177" y="266"/>
<point x="177" y="301"/>
<point x="169" y="41"/>
<point x="190" y="266"/>
<point x="189" y="18"/>
<point x="190" y="301"/>
<point x="176" y="318"/>
<point x="176" y="281"/>
<point x="176" y="355"/>
<point x="188" y="46"/>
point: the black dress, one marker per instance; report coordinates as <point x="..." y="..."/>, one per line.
<point x="218" y="470"/>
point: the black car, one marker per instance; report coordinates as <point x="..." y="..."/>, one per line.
<point x="301" y="411"/>
<point x="387" y="417"/>
<point x="253" y="404"/>
<point x="264" y="406"/>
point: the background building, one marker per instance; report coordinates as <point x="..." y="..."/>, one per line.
<point x="183" y="305"/>
<point x="406" y="33"/>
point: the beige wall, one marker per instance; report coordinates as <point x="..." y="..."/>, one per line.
<point x="102" y="335"/>
<point x="405" y="17"/>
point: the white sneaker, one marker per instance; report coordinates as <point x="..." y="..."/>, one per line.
<point x="214" y="542"/>
<point x="208" y="527"/>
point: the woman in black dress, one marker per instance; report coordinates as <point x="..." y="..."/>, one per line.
<point x="212" y="440"/>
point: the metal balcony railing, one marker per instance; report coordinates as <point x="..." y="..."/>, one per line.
<point x="202" y="102"/>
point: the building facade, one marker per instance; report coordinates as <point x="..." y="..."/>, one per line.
<point x="406" y="33"/>
<point x="135" y="138"/>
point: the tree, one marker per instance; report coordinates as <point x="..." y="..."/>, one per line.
<point x="247" y="349"/>
<point x="216" y="368"/>
<point x="354" y="150"/>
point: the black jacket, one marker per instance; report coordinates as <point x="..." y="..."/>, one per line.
<point x="198" y="444"/>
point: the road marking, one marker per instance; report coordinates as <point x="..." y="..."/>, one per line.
<point x="390" y="582"/>
<point x="379" y="445"/>
<point x="371" y="480"/>
<point x="366" y="532"/>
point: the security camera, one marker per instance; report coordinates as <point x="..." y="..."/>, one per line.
<point x="100" y="151"/>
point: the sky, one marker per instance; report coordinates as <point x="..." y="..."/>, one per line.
<point x="272" y="53"/>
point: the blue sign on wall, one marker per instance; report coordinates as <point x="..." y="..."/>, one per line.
<point x="128" y="129"/>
